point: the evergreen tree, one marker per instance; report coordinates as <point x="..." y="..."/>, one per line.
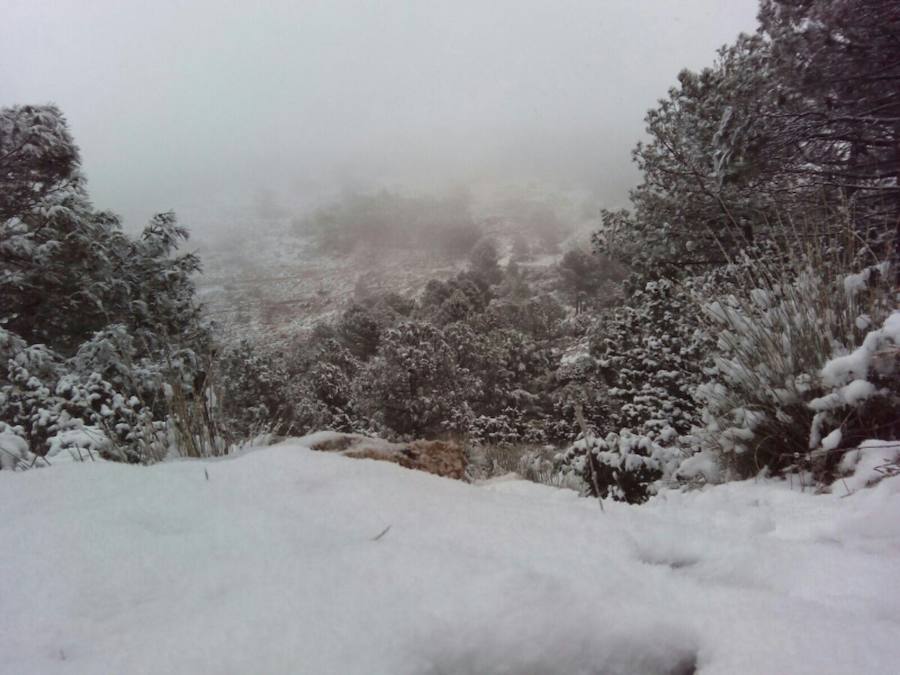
<point x="96" y="324"/>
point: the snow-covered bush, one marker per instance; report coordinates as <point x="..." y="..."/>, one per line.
<point x="484" y="260"/>
<point x="790" y="382"/>
<point x="867" y="464"/>
<point x="456" y="299"/>
<point x="539" y="316"/>
<point x="536" y="462"/>
<point x="360" y="330"/>
<point x="56" y="405"/>
<point x="647" y="356"/>
<point x="96" y="324"/>
<point x="413" y="383"/>
<point x="625" y="466"/>
<point x="511" y="427"/>
<point x="326" y="399"/>
<point x="255" y="389"/>
<point x="862" y="398"/>
<point x="588" y="279"/>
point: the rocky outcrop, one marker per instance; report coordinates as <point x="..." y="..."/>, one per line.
<point x="442" y="458"/>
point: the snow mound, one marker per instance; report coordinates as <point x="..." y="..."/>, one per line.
<point x="856" y="364"/>
<point x="284" y="560"/>
<point x="867" y="464"/>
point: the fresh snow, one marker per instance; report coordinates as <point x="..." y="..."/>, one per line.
<point x="867" y="464"/>
<point x="857" y="363"/>
<point x="271" y="562"/>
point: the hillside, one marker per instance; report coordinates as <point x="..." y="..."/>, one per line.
<point x="265" y="277"/>
<point x="280" y="284"/>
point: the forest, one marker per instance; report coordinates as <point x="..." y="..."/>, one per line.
<point x="759" y="248"/>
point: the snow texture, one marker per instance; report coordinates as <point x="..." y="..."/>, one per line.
<point x="271" y="562"/>
<point x="869" y="463"/>
<point x="856" y="364"/>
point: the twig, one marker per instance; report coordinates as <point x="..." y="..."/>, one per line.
<point x="579" y="417"/>
<point x="381" y="534"/>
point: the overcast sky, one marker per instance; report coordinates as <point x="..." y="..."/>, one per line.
<point x="178" y="104"/>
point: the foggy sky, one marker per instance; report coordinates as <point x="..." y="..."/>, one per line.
<point x="182" y="104"/>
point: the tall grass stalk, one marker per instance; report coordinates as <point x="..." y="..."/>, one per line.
<point x="780" y="312"/>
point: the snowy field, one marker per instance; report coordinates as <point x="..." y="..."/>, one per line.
<point x="273" y="564"/>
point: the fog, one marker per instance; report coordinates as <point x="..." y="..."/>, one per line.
<point x="199" y="106"/>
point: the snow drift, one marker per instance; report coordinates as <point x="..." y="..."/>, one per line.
<point x="271" y="562"/>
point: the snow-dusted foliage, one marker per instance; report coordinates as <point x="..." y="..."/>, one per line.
<point x="867" y="464"/>
<point x="588" y="279"/>
<point x="326" y="399"/>
<point x="484" y="260"/>
<point x="624" y="466"/>
<point x="647" y="357"/>
<point x="863" y="393"/>
<point x="798" y="376"/>
<point x="255" y="384"/>
<point x="764" y="179"/>
<point x="414" y="381"/>
<point x="79" y="406"/>
<point x="456" y="299"/>
<point x="95" y="324"/>
<point x="786" y="123"/>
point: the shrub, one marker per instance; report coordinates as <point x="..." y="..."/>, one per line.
<point x="54" y="405"/>
<point x="414" y="383"/>
<point x="782" y="314"/>
<point x="862" y="393"/>
<point x="645" y="359"/>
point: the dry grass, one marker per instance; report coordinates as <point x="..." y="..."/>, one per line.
<point x="777" y="325"/>
<point x="535" y="463"/>
<point x="195" y="418"/>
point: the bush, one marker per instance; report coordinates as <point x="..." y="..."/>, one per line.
<point x="645" y="359"/>
<point x="413" y="384"/>
<point x="625" y="466"/>
<point x="55" y="405"/>
<point x="780" y="316"/>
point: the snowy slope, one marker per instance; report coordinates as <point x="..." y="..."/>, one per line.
<point x="271" y="566"/>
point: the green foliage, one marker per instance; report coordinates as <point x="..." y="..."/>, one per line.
<point x="97" y="326"/>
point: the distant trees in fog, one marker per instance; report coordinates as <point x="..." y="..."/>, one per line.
<point x="446" y="225"/>
<point x="390" y="220"/>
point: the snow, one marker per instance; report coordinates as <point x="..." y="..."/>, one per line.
<point x="77" y="443"/>
<point x="832" y="440"/>
<point x="854" y="283"/>
<point x="12" y="449"/>
<point x="857" y="391"/>
<point x="701" y="465"/>
<point x="867" y="463"/>
<point x="850" y="394"/>
<point x="268" y="562"/>
<point x="856" y="364"/>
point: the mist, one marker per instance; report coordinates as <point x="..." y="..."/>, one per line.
<point x="201" y="106"/>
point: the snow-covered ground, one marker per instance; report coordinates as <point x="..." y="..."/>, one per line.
<point x="271" y="563"/>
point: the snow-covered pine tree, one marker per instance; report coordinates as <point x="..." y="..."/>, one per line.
<point x="109" y="317"/>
